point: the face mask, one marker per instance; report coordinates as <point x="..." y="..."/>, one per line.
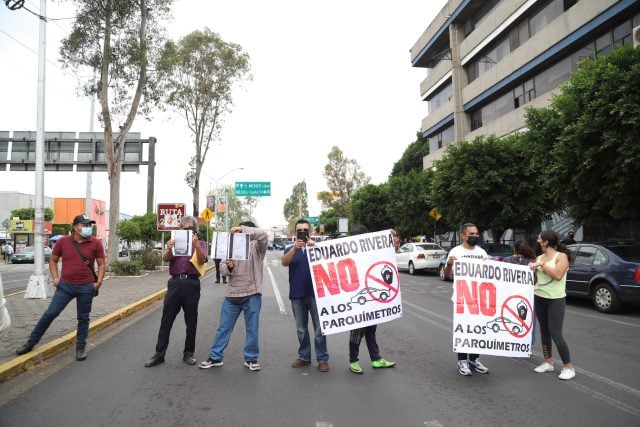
<point x="472" y="240"/>
<point x="86" y="232"/>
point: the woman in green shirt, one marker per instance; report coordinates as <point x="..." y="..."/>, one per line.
<point x="549" y="301"/>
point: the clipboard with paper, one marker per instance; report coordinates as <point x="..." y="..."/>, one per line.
<point x="230" y="246"/>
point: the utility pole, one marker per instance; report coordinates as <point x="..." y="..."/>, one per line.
<point x="38" y="286"/>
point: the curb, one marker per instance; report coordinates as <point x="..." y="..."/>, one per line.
<point x="46" y="351"/>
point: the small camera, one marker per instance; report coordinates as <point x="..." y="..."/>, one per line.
<point x="303" y="235"/>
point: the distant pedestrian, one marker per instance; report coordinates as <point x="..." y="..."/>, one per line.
<point x="550" y="301"/>
<point x="77" y="279"/>
<point x="569" y="240"/>
<point x="244" y="295"/>
<point x="183" y="292"/>
<point x="523" y="253"/>
<point x="368" y="333"/>
<point x="216" y="261"/>
<point x="396" y="240"/>
<point x="8" y="252"/>
<point x="303" y="299"/>
<point x="469" y="249"/>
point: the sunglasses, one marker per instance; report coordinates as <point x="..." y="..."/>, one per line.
<point x="302" y="229"/>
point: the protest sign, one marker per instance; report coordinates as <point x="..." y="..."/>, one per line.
<point x="492" y="308"/>
<point x="355" y="280"/>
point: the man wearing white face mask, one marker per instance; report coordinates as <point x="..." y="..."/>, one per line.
<point x="79" y="252"/>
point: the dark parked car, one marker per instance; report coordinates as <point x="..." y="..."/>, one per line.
<point x="279" y="245"/>
<point x="608" y="273"/>
<point x="28" y="254"/>
<point x="496" y="251"/>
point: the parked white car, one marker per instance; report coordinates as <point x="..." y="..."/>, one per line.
<point x="419" y="256"/>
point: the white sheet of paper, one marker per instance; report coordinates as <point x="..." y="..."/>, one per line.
<point x="228" y="246"/>
<point x="240" y="246"/>
<point x="182" y="242"/>
<point x="220" y="246"/>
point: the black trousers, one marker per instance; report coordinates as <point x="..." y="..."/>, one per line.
<point x="181" y="294"/>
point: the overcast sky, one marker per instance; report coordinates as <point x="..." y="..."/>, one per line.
<point x="324" y="74"/>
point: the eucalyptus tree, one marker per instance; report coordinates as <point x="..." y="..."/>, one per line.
<point x="117" y="39"/>
<point x="199" y="74"/>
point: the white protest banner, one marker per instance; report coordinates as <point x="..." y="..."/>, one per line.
<point x="492" y="308"/>
<point x="356" y="281"/>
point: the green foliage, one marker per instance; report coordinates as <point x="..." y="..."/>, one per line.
<point x="296" y="205"/>
<point x="142" y="228"/>
<point x="369" y="207"/>
<point x="148" y="258"/>
<point x="411" y="159"/>
<point x="330" y="220"/>
<point x="409" y="202"/>
<point x="199" y="74"/>
<point x="125" y="268"/>
<point x="491" y="182"/>
<point x="344" y="177"/>
<point x="61" y="229"/>
<point x="595" y="160"/>
<point x="30" y="213"/>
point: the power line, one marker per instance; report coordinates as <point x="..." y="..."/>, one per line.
<point x="36" y="53"/>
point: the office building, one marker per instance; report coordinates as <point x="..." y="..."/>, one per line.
<point x="488" y="60"/>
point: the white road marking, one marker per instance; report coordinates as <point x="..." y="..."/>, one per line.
<point x="604" y="318"/>
<point x="277" y="292"/>
<point x="447" y="326"/>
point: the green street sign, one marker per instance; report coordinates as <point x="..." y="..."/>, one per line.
<point x="253" y="189"/>
<point x="313" y="220"/>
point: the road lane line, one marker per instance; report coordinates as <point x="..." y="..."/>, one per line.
<point x="276" y="291"/>
<point x="592" y="375"/>
<point x="620" y="322"/>
<point x="417" y="307"/>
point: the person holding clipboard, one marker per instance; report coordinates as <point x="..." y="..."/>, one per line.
<point x="183" y="289"/>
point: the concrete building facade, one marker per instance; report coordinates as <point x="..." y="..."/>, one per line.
<point x="489" y="59"/>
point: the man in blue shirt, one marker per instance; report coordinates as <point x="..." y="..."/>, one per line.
<point x="303" y="300"/>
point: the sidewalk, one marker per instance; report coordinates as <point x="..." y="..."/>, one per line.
<point x="119" y="297"/>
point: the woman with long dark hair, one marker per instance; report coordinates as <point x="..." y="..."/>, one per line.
<point x="549" y="300"/>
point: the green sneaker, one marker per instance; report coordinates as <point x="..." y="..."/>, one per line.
<point x="381" y="363"/>
<point x="355" y="367"/>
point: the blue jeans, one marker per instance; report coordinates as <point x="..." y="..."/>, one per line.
<point x="63" y="295"/>
<point x="229" y="314"/>
<point x="302" y="307"/>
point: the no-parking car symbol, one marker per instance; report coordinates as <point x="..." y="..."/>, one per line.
<point x="516" y="316"/>
<point x="382" y="282"/>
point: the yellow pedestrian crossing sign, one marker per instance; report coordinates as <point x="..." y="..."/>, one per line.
<point x="206" y="214"/>
<point x="433" y="213"/>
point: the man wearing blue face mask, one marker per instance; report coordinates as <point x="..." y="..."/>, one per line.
<point x="79" y="252"/>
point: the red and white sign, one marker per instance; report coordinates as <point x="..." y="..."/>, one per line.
<point x="492" y="308"/>
<point x="169" y="215"/>
<point x="355" y="280"/>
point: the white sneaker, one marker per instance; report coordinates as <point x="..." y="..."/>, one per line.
<point x="253" y="365"/>
<point x="477" y="366"/>
<point x="463" y="368"/>
<point x="544" y="367"/>
<point x="567" y="374"/>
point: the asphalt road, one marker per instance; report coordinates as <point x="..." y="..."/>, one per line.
<point x="112" y="387"/>
<point x="15" y="277"/>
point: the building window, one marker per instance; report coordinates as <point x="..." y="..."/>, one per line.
<point x="545" y="16"/>
<point x="441" y="139"/>
<point x="622" y="33"/>
<point x="476" y="119"/>
<point x="550" y="78"/>
<point x="603" y="44"/>
<point x="442" y="96"/>
<point x="523" y="93"/>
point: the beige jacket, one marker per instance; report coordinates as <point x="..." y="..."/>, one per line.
<point x="246" y="277"/>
